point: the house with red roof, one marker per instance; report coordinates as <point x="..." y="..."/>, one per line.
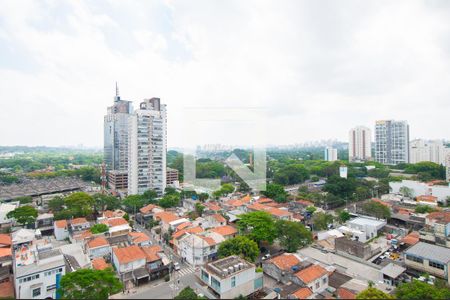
<point x="98" y="247"/>
<point x="130" y="263"/>
<point x="226" y="231"/>
<point x="139" y="238"/>
<point x="215" y="220"/>
<point x="315" y="277"/>
<point x="100" y="264"/>
<point x="61" y="230"/>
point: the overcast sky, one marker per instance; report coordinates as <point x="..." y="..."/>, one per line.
<point x="293" y="71"/>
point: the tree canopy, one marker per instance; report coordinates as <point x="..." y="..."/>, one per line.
<point x="292" y="235"/>
<point x="241" y="246"/>
<point x="24" y="214"/>
<point x="99" y="228"/>
<point x="89" y="284"/>
<point x="418" y="290"/>
<point x="257" y="225"/>
<point x="373" y="293"/>
<point x="376" y="209"/>
<point x="321" y="220"/>
<point x="275" y="192"/>
<point x="187" y="294"/>
<point x="79" y="204"/>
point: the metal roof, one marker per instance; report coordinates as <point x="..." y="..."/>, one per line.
<point x="431" y="252"/>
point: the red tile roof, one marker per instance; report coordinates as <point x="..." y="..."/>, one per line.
<point x="100" y="264"/>
<point x="78" y="221"/>
<point x="147" y="209"/>
<point x="225" y="230"/>
<point x="234" y="202"/>
<point x="108" y="214"/>
<point x="151" y="252"/>
<point x="129" y="254"/>
<point x="439" y="216"/>
<point x="411" y="239"/>
<point x="311" y="273"/>
<point x="181" y="232"/>
<point x="166" y="216"/>
<point x="303" y="293"/>
<point x="246" y="199"/>
<point x="219" y="218"/>
<point x="138" y="237"/>
<point x="61" y="224"/>
<point x="5" y="252"/>
<point x="117" y="222"/>
<point x="305" y="202"/>
<point x="212" y="206"/>
<point x="98" y="242"/>
<point x="184" y="225"/>
<point x="7" y="290"/>
<point x="208" y="240"/>
<point x="5" y="239"/>
<point x="344" y="293"/>
<point x="285" y="261"/>
<point x="427" y="198"/>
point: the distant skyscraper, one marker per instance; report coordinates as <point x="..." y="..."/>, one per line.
<point x="392" y="142"/>
<point x="360" y="144"/>
<point x="447" y="163"/>
<point x="147" y="148"/>
<point x="421" y="150"/>
<point x="116" y="134"/>
<point x="330" y="154"/>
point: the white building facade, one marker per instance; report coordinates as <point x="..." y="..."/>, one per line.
<point x="360" y="144"/>
<point x="391" y="142"/>
<point x="422" y="150"/>
<point x="330" y="154"/>
<point x="147" y="148"/>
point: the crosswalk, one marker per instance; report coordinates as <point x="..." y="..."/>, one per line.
<point x="185" y="271"/>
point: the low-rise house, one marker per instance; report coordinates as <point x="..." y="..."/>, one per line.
<point x="130" y="263"/>
<point x="139" y="238"/>
<point x="234" y="204"/>
<point x="147" y="213"/>
<point x="277" y="213"/>
<point x="117" y="226"/>
<point x="212" y="207"/>
<point x="61" y="230"/>
<point x="6" y="262"/>
<point x="198" y="249"/>
<point x="5" y="240"/>
<point x="214" y="220"/>
<point x="428" y="258"/>
<point x="370" y="227"/>
<point x="231" y="277"/>
<point x="427" y="200"/>
<point x="437" y="229"/>
<point x="157" y="263"/>
<point x="302" y="293"/>
<point x="392" y="274"/>
<point x="282" y="267"/>
<point x="5" y="208"/>
<point x="315" y="277"/>
<point x="79" y="224"/>
<point x="178" y="235"/>
<point x="100" y="264"/>
<point x="22" y="237"/>
<point x="75" y="256"/>
<point x="98" y="247"/>
<point x="44" y="222"/>
<point x="226" y="231"/>
<point x="165" y="219"/>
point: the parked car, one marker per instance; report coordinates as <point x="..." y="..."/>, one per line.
<point x="176" y="266"/>
<point x="265" y="257"/>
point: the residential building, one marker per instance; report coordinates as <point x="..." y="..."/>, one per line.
<point x="370" y="227"/>
<point x="61" y="230"/>
<point x="330" y="154"/>
<point x="197" y="249"/>
<point x="391" y="142"/>
<point x="38" y="269"/>
<point x="226" y="231"/>
<point x="166" y="218"/>
<point x="422" y="150"/>
<point x="360" y="144"/>
<point x="139" y="238"/>
<point x="428" y="258"/>
<point x="6" y="260"/>
<point x="116" y="134"/>
<point x="5" y="208"/>
<point x="314" y="277"/>
<point x="117" y="226"/>
<point x="282" y="267"/>
<point x="130" y="263"/>
<point x="118" y="180"/>
<point x="147" y="148"/>
<point x="215" y="220"/>
<point x="231" y="277"/>
<point x="79" y="224"/>
<point x="171" y="176"/>
<point x="98" y="247"/>
<point x="158" y="264"/>
<point x="100" y="264"/>
<point x="418" y="188"/>
<point x="447" y="168"/>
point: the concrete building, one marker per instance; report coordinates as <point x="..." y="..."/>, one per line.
<point x="171" y="175"/>
<point x="129" y="263"/>
<point x="231" y="277"/>
<point x="314" y="277"/>
<point x="428" y="258"/>
<point x="344" y="245"/>
<point x="116" y="134"/>
<point x="391" y="142"/>
<point x="370" y="227"/>
<point x="360" y="144"/>
<point x="38" y="269"/>
<point x="147" y="148"/>
<point x="198" y="249"/>
<point x="118" y="180"/>
<point x="422" y="189"/>
<point x="422" y="150"/>
<point x="330" y="154"/>
<point x="447" y="164"/>
<point x="61" y="230"/>
<point x="98" y="247"/>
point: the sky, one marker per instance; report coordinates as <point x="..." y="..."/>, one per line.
<point x="231" y="72"/>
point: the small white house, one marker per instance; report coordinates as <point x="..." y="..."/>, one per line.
<point x="61" y="230"/>
<point x="128" y="259"/>
<point x="369" y="226"/>
<point x="98" y="247"/>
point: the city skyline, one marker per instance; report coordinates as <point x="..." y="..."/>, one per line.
<point x="60" y="62"/>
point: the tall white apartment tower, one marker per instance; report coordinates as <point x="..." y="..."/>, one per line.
<point x="147" y="148"/>
<point x="391" y="142"/>
<point x="360" y="144"/>
<point x="330" y="154"/>
<point x="116" y="134"/>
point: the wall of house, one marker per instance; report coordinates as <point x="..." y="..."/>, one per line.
<point x="99" y="252"/>
<point x="46" y="282"/>
<point x="425" y="267"/>
<point x="61" y="233"/>
<point x="124" y="268"/>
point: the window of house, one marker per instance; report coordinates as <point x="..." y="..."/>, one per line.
<point x="233" y="281"/>
<point x="317" y="285"/>
<point x="36" y="292"/>
<point x="436" y="265"/>
<point x="324" y="280"/>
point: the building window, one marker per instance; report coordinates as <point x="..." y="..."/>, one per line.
<point x="324" y="280"/>
<point x="414" y="258"/>
<point x="233" y="281"/>
<point x="215" y="284"/>
<point x="36" y="292"/>
<point x="436" y="265"/>
<point x="258" y="283"/>
<point x="317" y="285"/>
<point x="51" y="287"/>
<point x="205" y="276"/>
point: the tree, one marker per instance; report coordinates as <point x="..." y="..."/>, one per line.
<point x="24" y="199"/>
<point x="133" y="203"/>
<point x="103" y="202"/>
<point x="56" y="204"/>
<point x="341" y="187"/>
<point x="187" y="294"/>
<point x="377" y="210"/>
<point x="99" y="228"/>
<point x="418" y="290"/>
<point x="292" y="235"/>
<point x="169" y="200"/>
<point x="343" y="216"/>
<point x="406" y="191"/>
<point x="203" y="197"/>
<point x="23" y="215"/>
<point x="321" y="220"/>
<point x="421" y="209"/>
<point x="150" y="194"/>
<point x="373" y="293"/>
<point x="311" y="209"/>
<point x="199" y="209"/>
<point x="89" y="284"/>
<point x="241" y="246"/>
<point x="80" y="204"/>
<point x="258" y="225"/>
<point x="275" y="192"/>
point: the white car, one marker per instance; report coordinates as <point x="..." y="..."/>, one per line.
<point x="176" y="266"/>
<point x="267" y="256"/>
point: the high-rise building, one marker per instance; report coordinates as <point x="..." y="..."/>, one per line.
<point x="147" y="148"/>
<point x="447" y="163"/>
<point x="330" y="154"/>
<point x="116" y="134"/>
<point x="391" y="142"/>
<point x="360" y="144"/>
<point x="421" y="150"/>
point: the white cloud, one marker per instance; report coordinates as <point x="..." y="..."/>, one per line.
<point x="313" y="70"/>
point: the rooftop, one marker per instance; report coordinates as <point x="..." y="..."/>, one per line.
<point x="228" y="266"/>
<point x="392" y="270"/>
<point x="311" y="273"/>
<point x="303" y="293"/>
<point x="129" y="254"/>
<point x="366" y="221"/>
<point x="285" y="261"/>
<point x="100" y="264"/>
<point x="97" y="242"/>
<point x="429" y="251"/>
<point x="61" y="224"/>
<point x="225" y="230"/>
